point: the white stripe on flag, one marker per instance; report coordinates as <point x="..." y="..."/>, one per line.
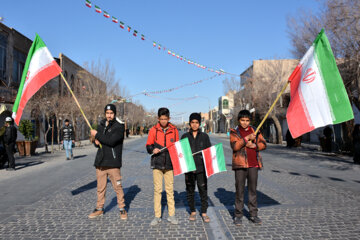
<point x="214" y="159"/>
<point x="181" y="157"/>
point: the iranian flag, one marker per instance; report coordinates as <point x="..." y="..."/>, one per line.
<point x="181" y="157"/>
<point x="39" y="68"/>
<point x="214" y="159"/>
<point x="122" y="25"/>
<point x="106" y="14"/>
<point x="88" y="3"/>
<point x="115" y="20"/>
<point x="318" y="95"/>
<point x="97" y="9"/>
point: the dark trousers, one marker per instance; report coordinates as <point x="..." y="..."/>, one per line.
<point x="251" y="174"/>
<point x="190" y="180"/>
<point x="10" y="153"/>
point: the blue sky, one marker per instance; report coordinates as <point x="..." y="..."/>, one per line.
<point x="227" y="34"/>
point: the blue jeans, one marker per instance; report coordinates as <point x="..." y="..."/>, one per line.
<point x="68" y="148"/>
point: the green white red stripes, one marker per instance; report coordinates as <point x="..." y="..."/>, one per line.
<point x="181" y="157"/>
<point x="97" y="9"/>
<point x="318" y="95"/>
<point x="39" y="68"/>
<point x="88" y="3"/>
<point x="214" y="159"/>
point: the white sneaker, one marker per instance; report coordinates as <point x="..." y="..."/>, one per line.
<point x="172" y="220"/>
<point x="155" y="221"/>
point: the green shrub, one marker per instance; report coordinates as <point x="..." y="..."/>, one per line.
<point x="27" y="129"/>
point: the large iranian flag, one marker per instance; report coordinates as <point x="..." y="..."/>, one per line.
<point x="39" y="68"/>
<point x="318" y="95"/>
<point x="214" y="159"/>
<point x="181" y="157"/>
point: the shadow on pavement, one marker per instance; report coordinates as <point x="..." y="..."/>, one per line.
<point x="130" y="195"/>
<point x="28" y="164"/>
<point x="79" y="156"/>
<point x="86" y="187"/>
<point x="227" y="198"/>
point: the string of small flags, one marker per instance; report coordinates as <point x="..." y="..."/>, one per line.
<point x="148" y="93"/>
<point x="156" y="44"/>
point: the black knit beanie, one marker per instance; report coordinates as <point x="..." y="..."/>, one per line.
<point x="196" y="116"/>
<point x="110" y="107"/>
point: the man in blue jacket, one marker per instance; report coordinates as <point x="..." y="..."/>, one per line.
<point x="109" y="138"/>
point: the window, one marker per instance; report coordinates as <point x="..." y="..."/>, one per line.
<point x="225" y="104"/>
<point x="18" y="67"/>
<point x="3" y="45"/>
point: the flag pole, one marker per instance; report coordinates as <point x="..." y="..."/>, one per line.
<point x="272" y="107"/>
<point x="77" y="102"/>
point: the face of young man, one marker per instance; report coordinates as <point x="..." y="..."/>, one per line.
<point x="244" y="122"/>
<point x="194" y="125"/>
<point x="109" y="114"/>
<point x="66" y="123"/>
<point x="163" y="120"/>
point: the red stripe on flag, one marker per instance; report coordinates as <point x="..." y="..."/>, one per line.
<point x="208" y="162"/>
<point x="174" y="159"/>
<point x="43" y="76"/>
<point x="297" y="116"/>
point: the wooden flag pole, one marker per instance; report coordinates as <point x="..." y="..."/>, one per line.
<point x="77" y="102"/>
<point x="272" y="107"/>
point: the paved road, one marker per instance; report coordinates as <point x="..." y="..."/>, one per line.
<point x="301" y="195"/>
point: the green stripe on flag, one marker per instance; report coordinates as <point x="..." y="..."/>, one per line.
<point x="337" y="95"/>
<point x="36" y="45"/>
<point x="190" y="163"/>
<point x="220" y="157"/>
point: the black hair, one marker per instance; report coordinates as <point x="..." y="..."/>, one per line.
<point x="67" y="120"/>
<point x="163" y="112"/>
<point x="244" y="114"/>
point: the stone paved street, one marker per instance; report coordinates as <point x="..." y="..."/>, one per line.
<point x="302" y="194"/>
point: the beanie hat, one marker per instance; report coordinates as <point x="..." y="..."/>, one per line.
<point x="110" y="107"/>
<point x="195" y="116"/>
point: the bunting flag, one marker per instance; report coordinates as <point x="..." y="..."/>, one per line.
<point x="106" y="14"/>
<point x="214" y="159"/>
<point x="39" y="68"/>
<point x="97" y="9"/>
<point x="318" y="95"/>
<point x="88" y="3"/>
<point x="181" y="157"/>
<point x="114" y="19"/>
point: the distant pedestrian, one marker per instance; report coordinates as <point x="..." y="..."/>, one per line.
<point x="67" y="138"/>
<point x="127" y="133"/>
<point x="356" y="141"/>
<point x="9" y="139"/>
<point x="198" y="141"/>
<point x="246" y="161"/>
<point x="163" y="134"/>
<point x="109" y="140"/>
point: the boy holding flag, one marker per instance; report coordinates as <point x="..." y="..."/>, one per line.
<point x="246" y="161"/>
<point x="161" y="136"/>
<point x="198" y="141"/>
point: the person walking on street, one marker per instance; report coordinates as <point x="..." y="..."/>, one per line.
<point x="162" y="135"/>
<point x="9" y="138"/>
<point x="109" y="138"/>
<point x="246" y="161"/>
<point x="198" y="142"/>
<point x="67" y="138"/>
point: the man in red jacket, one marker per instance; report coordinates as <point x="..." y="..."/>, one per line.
<point x="162" y="135"/>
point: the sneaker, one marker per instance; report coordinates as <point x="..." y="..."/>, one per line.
<point x="155" y="221"/>
<point x="172" y="220"/>
<point x="123" y="214"/>
<point x="67" y="158"/>
<point x="238" y="221"/>
<point x="97" y="213"/>
<point x="255" y="220"/>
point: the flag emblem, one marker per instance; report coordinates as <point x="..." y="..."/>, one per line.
<point x="310" y="75"/>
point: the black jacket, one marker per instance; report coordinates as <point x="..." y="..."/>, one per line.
<point x="111" y="138"/>
<point x="201" y="142"/>
<point x="10" y="135"/>
<point x="67" y="133"/>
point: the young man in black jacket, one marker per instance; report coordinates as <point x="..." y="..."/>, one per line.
<point x="198" y="141"/>
<point x="10" y="136"/>
<point x="109" y="138"/>
<point x="67" y="139"/>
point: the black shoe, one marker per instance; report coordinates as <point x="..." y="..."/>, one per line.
<point x="72" y="157"/>
<point x="255" y="220"/>
<point x="10" y="169"/>
<point x="238" y="221"/>
<point x="67" y="158"/>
